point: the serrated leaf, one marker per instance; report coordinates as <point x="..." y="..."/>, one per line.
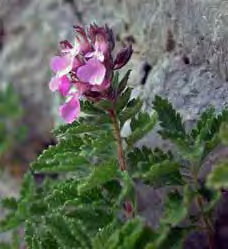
<point x="58" y="226"/>
<point x="62" y="157"/>
<point x="80" y="129"/>
<point x="99" y="176"/>
<point x="206" y="132"/>
<point x="204" y="126"/>
<point x="140" y="160"/>
<point x="9" y="203"/>
<point x="170" y="120"/>
<point x="141" y="128"/>
<point x="209" y="124"/>
<point x="218" y="178"/>
<point x="104" y="234"/>
<point x="132" y="108"/>
<point x="61" y="193"/>
<point x="79" y="232"/>
<point x="64" y="162"/>
<point x="133" y="234"/>
<point x="88" y="108"/>
<point x="164" y="173"/>
<point x="174" y="210"/>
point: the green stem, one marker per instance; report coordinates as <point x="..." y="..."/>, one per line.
<point x="206" y="223"/>
<point x="204" y="218"/>
<point x="121" y="157"/>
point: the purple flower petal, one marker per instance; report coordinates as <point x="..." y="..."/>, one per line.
<point x="64" y="86"/>
<point x="70" y="110"/>
<point x="92" y="72"/>
<point x="82" y="87"/>
<point x="60" y="83"/>
<point x="101" y="44"/>
<point x="99" y="88"/>
<point x="60" y="63"/>
<point x="54" y="84"/>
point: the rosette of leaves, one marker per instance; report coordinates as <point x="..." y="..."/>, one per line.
<point x="93" y="203"/>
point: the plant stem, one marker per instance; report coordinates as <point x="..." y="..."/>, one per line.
<point x="205" y="219"/>
<point x="120" y="150"/>
<point x="121" y="157"/>
<point x="206" y="223"/>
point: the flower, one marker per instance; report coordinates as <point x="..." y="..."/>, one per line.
<point x="70" y="110"/>
<point x="86" y="65"/>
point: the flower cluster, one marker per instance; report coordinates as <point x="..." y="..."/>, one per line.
<point x="85" y="68"/>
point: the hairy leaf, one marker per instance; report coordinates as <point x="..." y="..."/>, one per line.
<point x="218" y="178"/>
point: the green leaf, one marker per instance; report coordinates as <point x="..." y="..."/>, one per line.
<point x="20" y="209"/>
<point x="103" y="105"/>
<point x="127" y="191"/>
<point x="218" y="178"/>
<point x="172" y="238"/>
<point x="123" y="100"/>
<point x="203" y="130"/>
<point x="141" y="126"/>
<point x="115" y="81"/>
<point x="65" y="162"/>
<point x="10" y="221"/>
<point x="123" y="82"/>
<point x="131" y="235"/>
<point x="104" y="234"/>
<point x="63" y="157"/>
<point x="174" y="210"/>
<point x="131" y="109"/>
<point x="62" y="193"/>
<point x="170" y="120"/>
<point x="207" y="133"/>
<point x="81" y="129"/>
<point x="89" y="108"/>
<point x="99" y="176"/>
<point x="164" y="173"/>
<point x="9" y="203"/>
<point x="209" y="124"/>
<point x="28" y="186"/>
<point x="189" y="195"/>
<point x="59" y="227"/>
<point x="223" y="133"/>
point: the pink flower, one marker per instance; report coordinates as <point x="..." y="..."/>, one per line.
<point x="62" y="84"/>
<point x="93" y="72"/>
<point x="86" y="65"/>
<point x="70" y="110"/>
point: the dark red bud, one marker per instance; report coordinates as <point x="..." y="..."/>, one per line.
<point x="123" y="57"/>
<point x="65" y="44"/>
